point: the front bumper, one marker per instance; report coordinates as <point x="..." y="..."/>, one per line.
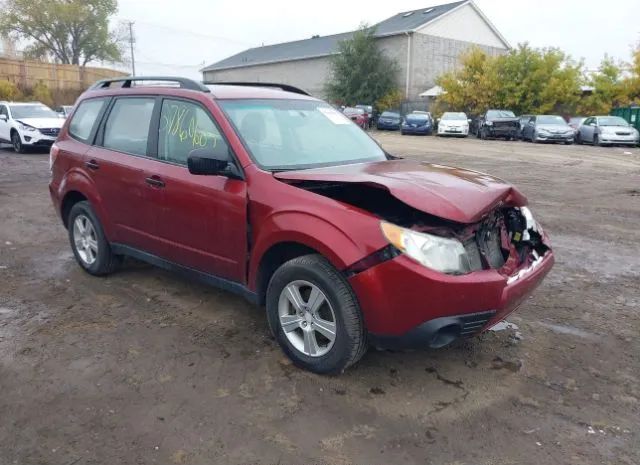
<point x="401" y="299"/>
<point x="616" y="139"/>
<point x="416" y="130"/>
<point x="451" y="131"/>
<point x="36" y="138"/>
<point x="554" y="137"/>
<point x="388" y="126"/>
<point x="502" y="131"/>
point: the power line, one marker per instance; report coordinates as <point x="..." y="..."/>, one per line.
<point x="133" y="60"/>
<point x="192" y="33"/>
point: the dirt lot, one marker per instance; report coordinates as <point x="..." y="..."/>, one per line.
<point x="144" y="367"/>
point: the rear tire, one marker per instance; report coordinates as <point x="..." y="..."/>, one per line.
<point x="88" y="242"/>
<point x="308" y="341"/>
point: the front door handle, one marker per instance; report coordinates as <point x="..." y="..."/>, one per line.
<point x="154" y="181"/>
<point x="92" y="165"/>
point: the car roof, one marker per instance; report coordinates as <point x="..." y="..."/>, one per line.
<point x="217" y="91"/>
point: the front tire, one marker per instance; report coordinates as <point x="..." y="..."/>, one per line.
<point x="18" y="147"/>
<point x="314" y="315"/>
<point x="88" y="242"/>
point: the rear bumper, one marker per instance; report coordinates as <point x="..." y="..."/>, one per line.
<point x="405" y="304"/>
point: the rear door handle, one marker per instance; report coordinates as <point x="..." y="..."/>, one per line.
<point x="92" y="165"/>
<point x="154" y="181"/>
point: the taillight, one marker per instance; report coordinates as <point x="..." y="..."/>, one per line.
<point x="53" y="154"/>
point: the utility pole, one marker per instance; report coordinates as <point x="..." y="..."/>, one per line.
<point x="131" y="42"/>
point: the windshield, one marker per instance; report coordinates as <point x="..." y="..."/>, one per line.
<point x="353" y="111"/>
<point x="546" y="119"/>
<point x="414" y="117"/>
<point x="298" y="134"/>
<point x="500" y="114"/>
<point x="389" y="114"/>
<point x="454" y="116"/>
<point x="612" y="121"/>
<point x="32" y="111"/>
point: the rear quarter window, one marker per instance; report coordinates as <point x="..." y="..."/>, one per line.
<point x="85" y="118"/>
<point x="127" y="126"/>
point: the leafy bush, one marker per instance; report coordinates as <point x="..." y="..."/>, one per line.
<point x="41" y="93"/>
<point x="390" y="101"/>
<point x="9" y="91"/>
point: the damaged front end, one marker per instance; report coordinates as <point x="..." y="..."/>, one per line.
<point x="506" y="239"/>
<point x="440" y="278"/>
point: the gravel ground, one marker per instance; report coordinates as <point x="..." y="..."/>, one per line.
<point x="145" y="367"/>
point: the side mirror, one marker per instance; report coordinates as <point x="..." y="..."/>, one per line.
<point x="208" y="161"/>
<point x="3" y="118"/>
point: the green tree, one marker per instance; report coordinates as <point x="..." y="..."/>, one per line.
<point x="69" y="31"/>
<point x="525" y="80"/>
<point x="360" y="72"/>
<point x="473" y="87"/>
<point x="609" y="89"/>
<point x="633" y="83"/>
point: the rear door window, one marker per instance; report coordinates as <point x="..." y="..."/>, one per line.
<point x="186" y="126"/>
<point x="86" y="118"/>
<point x="127" y="127"/>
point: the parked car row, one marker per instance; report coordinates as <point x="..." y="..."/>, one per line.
<point x="596" y="130"/>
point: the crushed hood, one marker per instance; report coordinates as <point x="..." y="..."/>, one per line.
<point x="452" y="193"/>
<point x="41" y="123"/>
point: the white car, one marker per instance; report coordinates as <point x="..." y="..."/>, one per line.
<point x="28" y="124"/>
<point x="453" y="124"/>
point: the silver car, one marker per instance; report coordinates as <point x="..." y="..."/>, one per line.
<point x="547" y="128"/>
<point x="607" y="130"/>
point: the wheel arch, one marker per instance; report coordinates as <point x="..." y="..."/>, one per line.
<point x="75" y="187"/>
<point x="71" y="198"/>
<point x="278" y="254"/>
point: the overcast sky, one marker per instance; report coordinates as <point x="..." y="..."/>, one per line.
<point x="180" y="37"/>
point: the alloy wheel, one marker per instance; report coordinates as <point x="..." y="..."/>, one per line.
<point x="85" y="239"/>
<point x="307" y="318"/>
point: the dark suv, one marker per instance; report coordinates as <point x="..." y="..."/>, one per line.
<point x="498" y="124"/>
<point x="272" y="194"/>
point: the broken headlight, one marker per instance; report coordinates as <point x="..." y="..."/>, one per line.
<point x="435" y="252"/>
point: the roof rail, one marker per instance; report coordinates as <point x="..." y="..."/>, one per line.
<point x="285" y="87"/>
<point x="126" y="81"/>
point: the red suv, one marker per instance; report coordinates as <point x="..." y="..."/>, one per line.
<point x="267" y="192"/>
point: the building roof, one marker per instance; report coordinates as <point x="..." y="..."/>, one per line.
<point x="406" y="21"/>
